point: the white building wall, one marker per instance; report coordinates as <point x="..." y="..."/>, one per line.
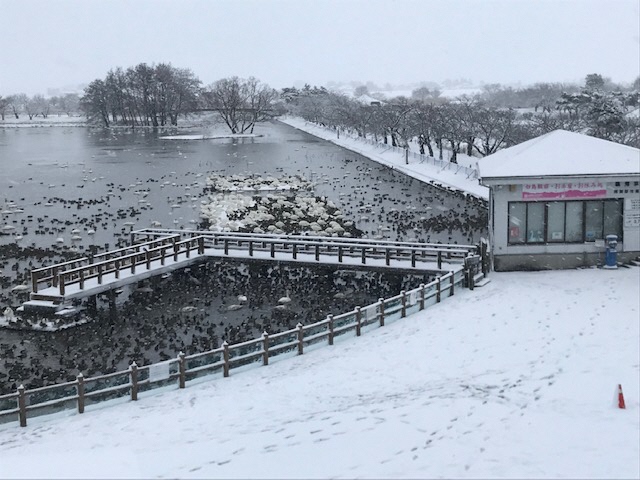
<point x="511" y="190"/>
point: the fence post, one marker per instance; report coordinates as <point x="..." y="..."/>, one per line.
<point x="439" y="289"/>
<point x="34" y="282"/>
<point x="469" y="274"/>
<point x="200" y="245"/>
<point x="330" y="318"/>
<point x="413" y="258"/>
<point x="317" y="252"/>
<point x="295" y="251"/>
<point x="387" y="256"/>
<point x="273" y="249"/>
<point x="182" y="370"/>
<point x="422" y="296"/>
<point x="61" y="282"/>
<point x="451" y="290"/>
<point x="439" y="259"/>
<point x="147" y="255"/>
<point x="403" y="312"/>
<point x="225" y="356"/>
<point x="251" y="248"/>
<point x="358" y="321"/>
<point x="265" y="348"/>
<point x="116" y="266"/>
<point x="22" y="406"/>
<point x="381" y="302"/>
<point x="134" y="381"/>
<point x="364" y="255"/>
<point x="80" y="388"/>
<point x="300" y="338"/>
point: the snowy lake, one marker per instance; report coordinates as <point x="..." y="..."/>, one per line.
<point x="61" y="183"/>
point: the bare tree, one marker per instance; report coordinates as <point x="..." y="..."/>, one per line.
<point x="95" y="102"/>
<point x="4" y="105"/>
<point x="69" y="103"/>
<point x="241" y="103"/>
<point x="424" y="117"/>
<point x="494" y="127"/>
<point x="31" y="107"/>
<point x="17" y="103"/>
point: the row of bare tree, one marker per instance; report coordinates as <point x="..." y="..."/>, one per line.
<point x="142" y="96"/>
<point x="38" y="105"/>
<point x="475" y="125"/>
<point x="157" y="95"/>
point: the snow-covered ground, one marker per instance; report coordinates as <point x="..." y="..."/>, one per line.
<point x="424" y="171"/>
<point x="512" y="380"/>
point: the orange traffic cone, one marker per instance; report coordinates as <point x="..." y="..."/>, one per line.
<point x="620" y="397"/>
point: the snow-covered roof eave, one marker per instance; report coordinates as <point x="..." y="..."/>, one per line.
<point x="562" y="154"/>
<point x="499" y="180"/>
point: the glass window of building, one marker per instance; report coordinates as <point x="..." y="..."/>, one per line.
<point x="573" y="225"/>
<point x="535" y="222"/>
<point x="517" y="222"/>
<point x="593" y="219"/>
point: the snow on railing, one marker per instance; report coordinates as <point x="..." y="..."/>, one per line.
<point x="130" y="383"/>
<point x="167" y="244"/>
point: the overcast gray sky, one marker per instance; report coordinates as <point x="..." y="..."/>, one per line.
<point x="54" y="43"/>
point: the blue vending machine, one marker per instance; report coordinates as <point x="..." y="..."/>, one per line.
<point x="611" y="254"/>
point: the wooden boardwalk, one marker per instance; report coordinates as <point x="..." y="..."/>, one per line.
<point x="157" y="251"/>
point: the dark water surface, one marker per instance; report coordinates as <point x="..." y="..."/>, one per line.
<point x="68" y="181"/>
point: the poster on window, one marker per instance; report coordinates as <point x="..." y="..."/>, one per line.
<point x="563" y="190"/>
<point x="632" y="212"/>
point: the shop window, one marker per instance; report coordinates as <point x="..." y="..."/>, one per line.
<point x="564" y="222"/>
<point x="555" y="222"/>
<point x="517" y="222"/>
<point x="593" y="221"/>
<point x="535" y="222"/>
<point x="612" y="224"/>
<point x="574" y="223"/>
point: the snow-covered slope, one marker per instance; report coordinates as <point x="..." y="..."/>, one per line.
<point x="513" y="380"/>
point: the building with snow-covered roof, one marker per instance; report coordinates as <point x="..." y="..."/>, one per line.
<point x="556" y="197"/>
<point x="366" y="99"/>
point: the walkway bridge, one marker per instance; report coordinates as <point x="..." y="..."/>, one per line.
<point x="156" y="251"/>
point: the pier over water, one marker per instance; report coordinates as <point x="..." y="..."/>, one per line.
<point x="158" y="251"/>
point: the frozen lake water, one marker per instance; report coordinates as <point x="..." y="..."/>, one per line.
<point x="61" y="183"/>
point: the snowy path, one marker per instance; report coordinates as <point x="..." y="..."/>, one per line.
<point x="513" y="380"/>
<point x="425" y="172"/>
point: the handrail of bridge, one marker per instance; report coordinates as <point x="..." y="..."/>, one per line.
<point x="326" y="239"/>
<point x="290" y="244"/>
<point x="115" y="265"/>
<point x="51" y="273"/>
<point x="135" y="380"/>
<point x="364" y="250"/>
<point x="129" y="261"/>
<point x="148" y="244"/>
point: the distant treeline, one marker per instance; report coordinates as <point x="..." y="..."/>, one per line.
<point x="480" y="124"/>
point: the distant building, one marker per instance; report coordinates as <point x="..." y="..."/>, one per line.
<point x="369" y="100"/>
<point x="555" y="198"/>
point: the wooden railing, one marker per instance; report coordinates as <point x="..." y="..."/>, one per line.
<point x="130" y="383"/>
<point x="128" y="260"/>
<point x="160" y="245"/>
